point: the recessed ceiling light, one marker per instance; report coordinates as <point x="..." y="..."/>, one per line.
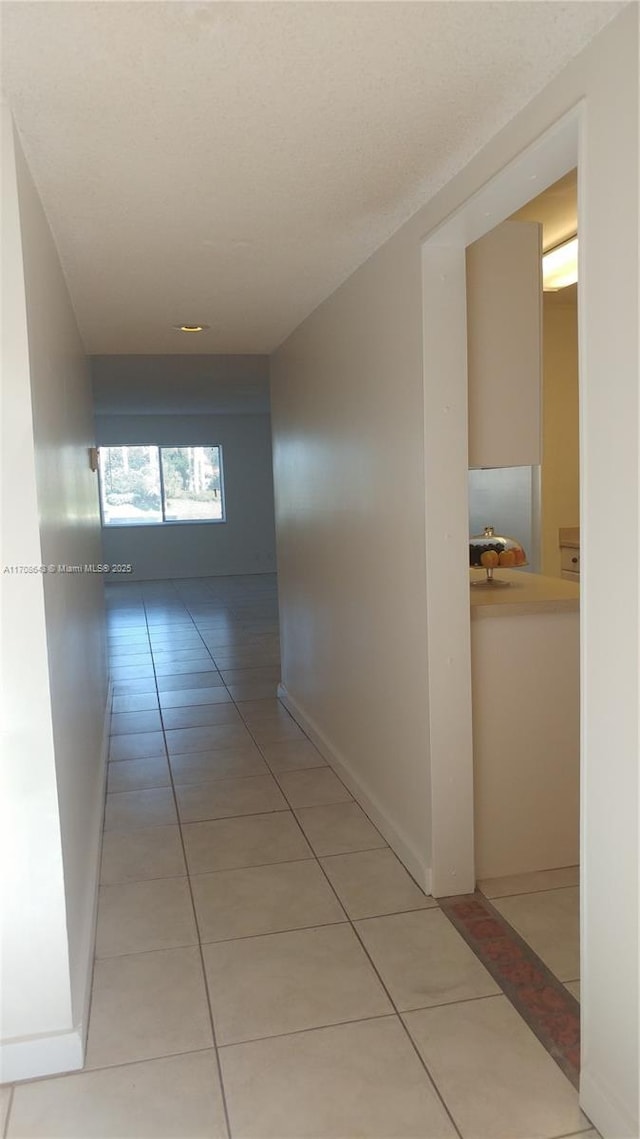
<point x="191" y="327"/>
<point x="560" y="266"/>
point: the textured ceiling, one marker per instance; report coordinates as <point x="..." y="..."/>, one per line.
<point x="232" y="163"/>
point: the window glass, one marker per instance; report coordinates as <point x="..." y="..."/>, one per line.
<point x="130" y="485"/>
<point x="192" y="484"/>
<point x="150" y="485"/>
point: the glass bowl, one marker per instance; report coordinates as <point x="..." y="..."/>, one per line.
<point x="490" y="551"/>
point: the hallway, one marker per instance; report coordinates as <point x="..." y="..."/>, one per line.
<point x="265" y="967"/>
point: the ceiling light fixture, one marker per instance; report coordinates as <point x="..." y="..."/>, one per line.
<point x="560" y="266"/>
<point x="191" y="327"/>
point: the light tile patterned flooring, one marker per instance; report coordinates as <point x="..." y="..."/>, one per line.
<point x="544" y="909"/>
<point x="265" y="967"/>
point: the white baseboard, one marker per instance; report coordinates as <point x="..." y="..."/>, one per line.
<point x="35" y="1056"/>
<point x="412" y="859"/>
<point x="612" y="1118"/>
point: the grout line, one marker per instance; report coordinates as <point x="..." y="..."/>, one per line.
<point x="200" y="951"/>
<point x="5" y="1130"/>
<point x="394" y="1011"/>
<point x="110" y="1067"/>
<point x="97" y="903"/>
<point x="306" y="1031"/>
<point x="495" y="898"/>
<point x="389" y="997"/>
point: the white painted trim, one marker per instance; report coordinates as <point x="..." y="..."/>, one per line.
<point x="33" y="1056"/>
<point x="57" y="1052"/>
<point x="599" y="1102"/>
<point x="415" y="864"/>
<point x="446" y="558"/>
<point x="547" y="158"/>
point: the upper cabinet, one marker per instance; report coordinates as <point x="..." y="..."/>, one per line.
<point x="504" y="336"/>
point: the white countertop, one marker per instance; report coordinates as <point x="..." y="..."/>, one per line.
<point x="528" y="593"/>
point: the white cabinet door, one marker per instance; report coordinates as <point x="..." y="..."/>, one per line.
<point x="504" y="335"/>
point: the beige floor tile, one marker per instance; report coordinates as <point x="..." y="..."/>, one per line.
<point x="172" y="660"/>
<point x="185" y="667"/>
<point x="188" y="697"/>
<point x="200" y="715"/>
<point x="223" y="763"/>
<point x="374" y="882"/>
<point x="263" y="899"/>
<point x="350" y="1080"/>
<point x="189" y="681"/>
<point x="251" y="795"/>
<point x="275" y="730"/>
<point x="124" y="723"/>
<point x="170" y="654"/>
<point x="5" y="1101"/>
<point x="185" y="640"/>
<point x="284" y="982"/>
<point x="153" y="807"/>
<point x="143" y="702"/>
<point x="138" y="774"/>
<point x="252" y="840"/>
<point x="338" y="829"/>
<point x="530" y="883"/>
<point x="316" y="787"/>
<point x="129" y="648"/>
<point x="136" y="745"/>
<point x="134" y="687"/>
<point x="249" y="675"/>
<point x="574" y="988"/>
<point x="147" y="1005"/>
<point x="137" y="855"/>
<point x="549" y="922"/>
<point x="155" y="1099"/>
<point x="423" y="960"/>
<point x="118" y="659"/>
<point x="496" y="1079"/>
<point x="290" y="755"/>
<point x="253" y="690"/>
<point x="136" y="917"/>
<point x="259" y="711"/>
<point x="132" y="672"/>
<point x="182" y="740"/>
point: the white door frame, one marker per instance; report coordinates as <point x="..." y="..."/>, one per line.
<point x="446" y="483"/>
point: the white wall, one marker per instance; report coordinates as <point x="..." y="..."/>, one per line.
<point x="346" y="409"/>
<point x="52" y="650"/>
<point x="560" y="502"/>
<point x="350" y="506"/>
<point x="184" y="400"/>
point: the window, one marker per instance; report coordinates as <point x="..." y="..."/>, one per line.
<point x="148" y="485"/>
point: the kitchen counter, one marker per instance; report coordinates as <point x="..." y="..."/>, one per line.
<point x="525" y="676"/>
<point x="528" y="594"/>
<point x="569" y="536"/>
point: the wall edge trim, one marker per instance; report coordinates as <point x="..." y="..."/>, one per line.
<point x="603" y="1108"/>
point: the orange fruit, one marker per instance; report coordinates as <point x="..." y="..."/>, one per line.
<point x="489" y="559"/>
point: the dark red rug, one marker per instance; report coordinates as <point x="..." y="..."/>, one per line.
<point x="550" y="1010"/>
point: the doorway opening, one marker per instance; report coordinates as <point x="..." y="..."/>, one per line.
<point x="525" y="635"/>
<point x="447" y="498"/>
